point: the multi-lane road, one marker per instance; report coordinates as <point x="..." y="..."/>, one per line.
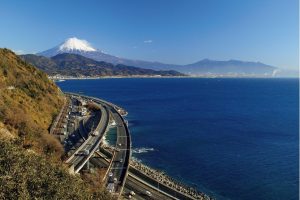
<point x="134" y="183"/>
<point x="84" y="152"/>
<point x="120" y="160"/>
<point x="119" y="180"/>
<point x="118" y="169"/>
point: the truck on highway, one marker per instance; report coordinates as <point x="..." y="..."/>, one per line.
<point x="110" y="177"/>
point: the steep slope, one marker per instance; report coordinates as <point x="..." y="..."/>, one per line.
<point x="28" y="100"/>
<point x="77" y="65"/>
<point x="30" y="166"/>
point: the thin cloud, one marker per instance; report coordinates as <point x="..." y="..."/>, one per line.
<point x="19" y="52"/>
<point x="148" y="41"/>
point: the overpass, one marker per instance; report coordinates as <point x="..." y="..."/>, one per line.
<point x="121" y="177"/>
<point x="118" y="169"/>
<point x="84" y="152"/>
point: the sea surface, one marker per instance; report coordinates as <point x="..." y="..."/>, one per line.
<point x="231" y="138"/>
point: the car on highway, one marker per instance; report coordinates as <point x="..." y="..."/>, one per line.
<point x="95" y="133"/>
<point x="132" y="193"/>
<point x="84" y="152"/>
<point x="149" y="194"/>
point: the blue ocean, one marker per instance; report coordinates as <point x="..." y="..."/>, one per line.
<point x="231" y="138"/>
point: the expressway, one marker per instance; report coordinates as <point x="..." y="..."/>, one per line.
<point x="118" y="168"/>
<point x="119" y="180"/>
<point x="134" y="183"/>
<point x="120" y="159"/>
<point x="84" y="152"/>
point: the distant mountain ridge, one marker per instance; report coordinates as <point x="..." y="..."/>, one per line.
<point x="228" y="67"/>
<point x="76" y="65"/>
<point x="203" y="67"/>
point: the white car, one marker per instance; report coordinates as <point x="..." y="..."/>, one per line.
<point x="148" y="193"/>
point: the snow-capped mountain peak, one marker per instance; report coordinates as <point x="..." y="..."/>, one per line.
<point x="75" y="44"/>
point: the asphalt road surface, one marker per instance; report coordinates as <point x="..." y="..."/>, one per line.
<point x="92" y="142"/>
<point x="119" y="166"/>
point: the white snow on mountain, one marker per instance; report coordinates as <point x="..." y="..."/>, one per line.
<point x="82" y="47"/>
<point x="73" y="44"/>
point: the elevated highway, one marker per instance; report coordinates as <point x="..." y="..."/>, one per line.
<point x="84" y="152"/>
<point x="121" y="177"/>
<point x="118" y="169"/>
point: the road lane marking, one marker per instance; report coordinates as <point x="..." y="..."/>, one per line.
<point x="119" y="168"/>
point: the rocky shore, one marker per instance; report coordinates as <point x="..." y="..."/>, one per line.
<point x="161" y="177"/>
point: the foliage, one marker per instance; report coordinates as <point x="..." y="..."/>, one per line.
<point x="77" y="65"/>
<point x="25" y="175"/>
<point x="28" y="102"/>
<point x="30" y="166"/>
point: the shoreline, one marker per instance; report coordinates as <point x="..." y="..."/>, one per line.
<point x="61" y="79"/>
<point x="158" y="175"/>
<point x="163" y="178"/>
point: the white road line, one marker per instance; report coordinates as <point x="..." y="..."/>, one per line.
<point x="119" y="168"/>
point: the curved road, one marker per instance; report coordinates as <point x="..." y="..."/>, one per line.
<point x="120" y="161"/>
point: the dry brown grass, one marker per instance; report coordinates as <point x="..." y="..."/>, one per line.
<point x="29" y="101"/>
<point x="30" y="165"/>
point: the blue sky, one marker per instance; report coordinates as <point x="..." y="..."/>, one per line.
<point x="169" y="31"/>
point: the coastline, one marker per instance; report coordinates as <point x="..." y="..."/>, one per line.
<point x="161" y="177"/>
<point x="202" y="180"/>
<point x="63" y="78"/>
<point x="157" y="175"/>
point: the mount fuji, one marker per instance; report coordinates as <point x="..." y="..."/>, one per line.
<point x="76" y="46"/>
<point x="204" y="67"/>
<point x="82" y="47"/>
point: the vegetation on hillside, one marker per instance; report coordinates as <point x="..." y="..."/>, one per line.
<point x="28" y="103"/>
<point x="76" y="65"/>
<point x="30" y="166"/>
<point x="26" y="175"/>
